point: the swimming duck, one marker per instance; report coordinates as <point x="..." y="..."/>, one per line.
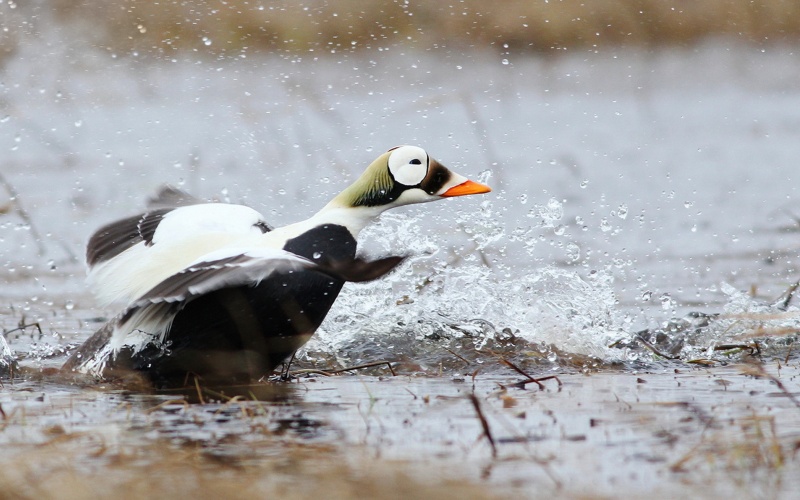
<point x="211" y="290"/>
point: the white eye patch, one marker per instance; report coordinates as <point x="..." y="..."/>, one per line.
<point x="408" y="165"/>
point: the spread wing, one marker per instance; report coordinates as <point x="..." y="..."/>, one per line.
<point x="116" y="237"/>
<point x="128" y="257"/>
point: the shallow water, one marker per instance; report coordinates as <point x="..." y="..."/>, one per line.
<point x="666" y="432"/>
<point x="630" y="188"/>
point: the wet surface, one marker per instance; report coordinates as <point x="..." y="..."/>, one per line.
<point x="676" y="430"/>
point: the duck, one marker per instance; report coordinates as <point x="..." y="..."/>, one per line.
<point x="212" y="291"/>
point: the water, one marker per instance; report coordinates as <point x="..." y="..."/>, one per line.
<point x="661" y="433"/>
<point x="626" y="196"/>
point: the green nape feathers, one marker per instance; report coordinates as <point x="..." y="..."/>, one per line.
<point x="374" y="187"/>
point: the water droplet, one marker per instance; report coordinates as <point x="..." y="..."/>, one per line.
<point x="523" y="198"/>
<point x="646" y="296"/>
<point x="69" y="305"/>
<point x="206" y="41"/>
<point x="584" y="183"/>
<point x="551" y="213"/>
<point x="604" y="225"/>
<point x="622" y="211"/>
<point x="573" y="252"/>
<point x="316" y="255"/>
<point x="505" y="62"/>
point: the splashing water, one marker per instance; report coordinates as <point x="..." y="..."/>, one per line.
<point x="436" y="304"/>
<point x="744" y="318"/>
<point x="6" y="355"/>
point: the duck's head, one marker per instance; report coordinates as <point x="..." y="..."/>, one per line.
<point x="402" y="176"/>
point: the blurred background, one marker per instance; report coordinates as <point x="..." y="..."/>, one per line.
<point x="230" y="28"/>
<point x="651" y="143"/>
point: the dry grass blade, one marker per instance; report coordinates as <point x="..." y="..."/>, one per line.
<point x="329" y="373"/>
<point x="484" y="423"/>
<point x="754" y="348"/>
<point x="786" y="299"/>
<point x="758" y="371"/>
<point x="23" y="214"/>
<point x="654" y="349"/>
<point x="23" y="326"/>
<point x="458" y="356"/>
<point x="199" y="391"/>
<point x="285" y="375"/>
<point x="161" y="406"/>
<point x="537" y="381"/>
<point x="366" y="365"/>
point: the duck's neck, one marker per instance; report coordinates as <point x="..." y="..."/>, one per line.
<point x="353" y="218"/>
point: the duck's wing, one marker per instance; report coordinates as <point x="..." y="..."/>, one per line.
<point x="128" y="257"/>
<point x="169" y="196"/>
<point x="148" y="319"/>
<point x="116" y="237"/>
<point x="248" y="267"/>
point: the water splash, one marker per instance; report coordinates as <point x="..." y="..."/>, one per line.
<point x="438" y="302"/>
<point x="745" y="325"/>
<point x="6" y="355"/>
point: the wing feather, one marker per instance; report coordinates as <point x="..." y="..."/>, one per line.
<point x="116" y="237"/>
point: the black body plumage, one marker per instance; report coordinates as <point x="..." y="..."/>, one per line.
<point x="242" y="333"/>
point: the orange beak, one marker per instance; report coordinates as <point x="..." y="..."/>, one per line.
<point x="467" y="187"/>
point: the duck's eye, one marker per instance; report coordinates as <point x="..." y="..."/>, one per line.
<point x="408" y="165"/>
